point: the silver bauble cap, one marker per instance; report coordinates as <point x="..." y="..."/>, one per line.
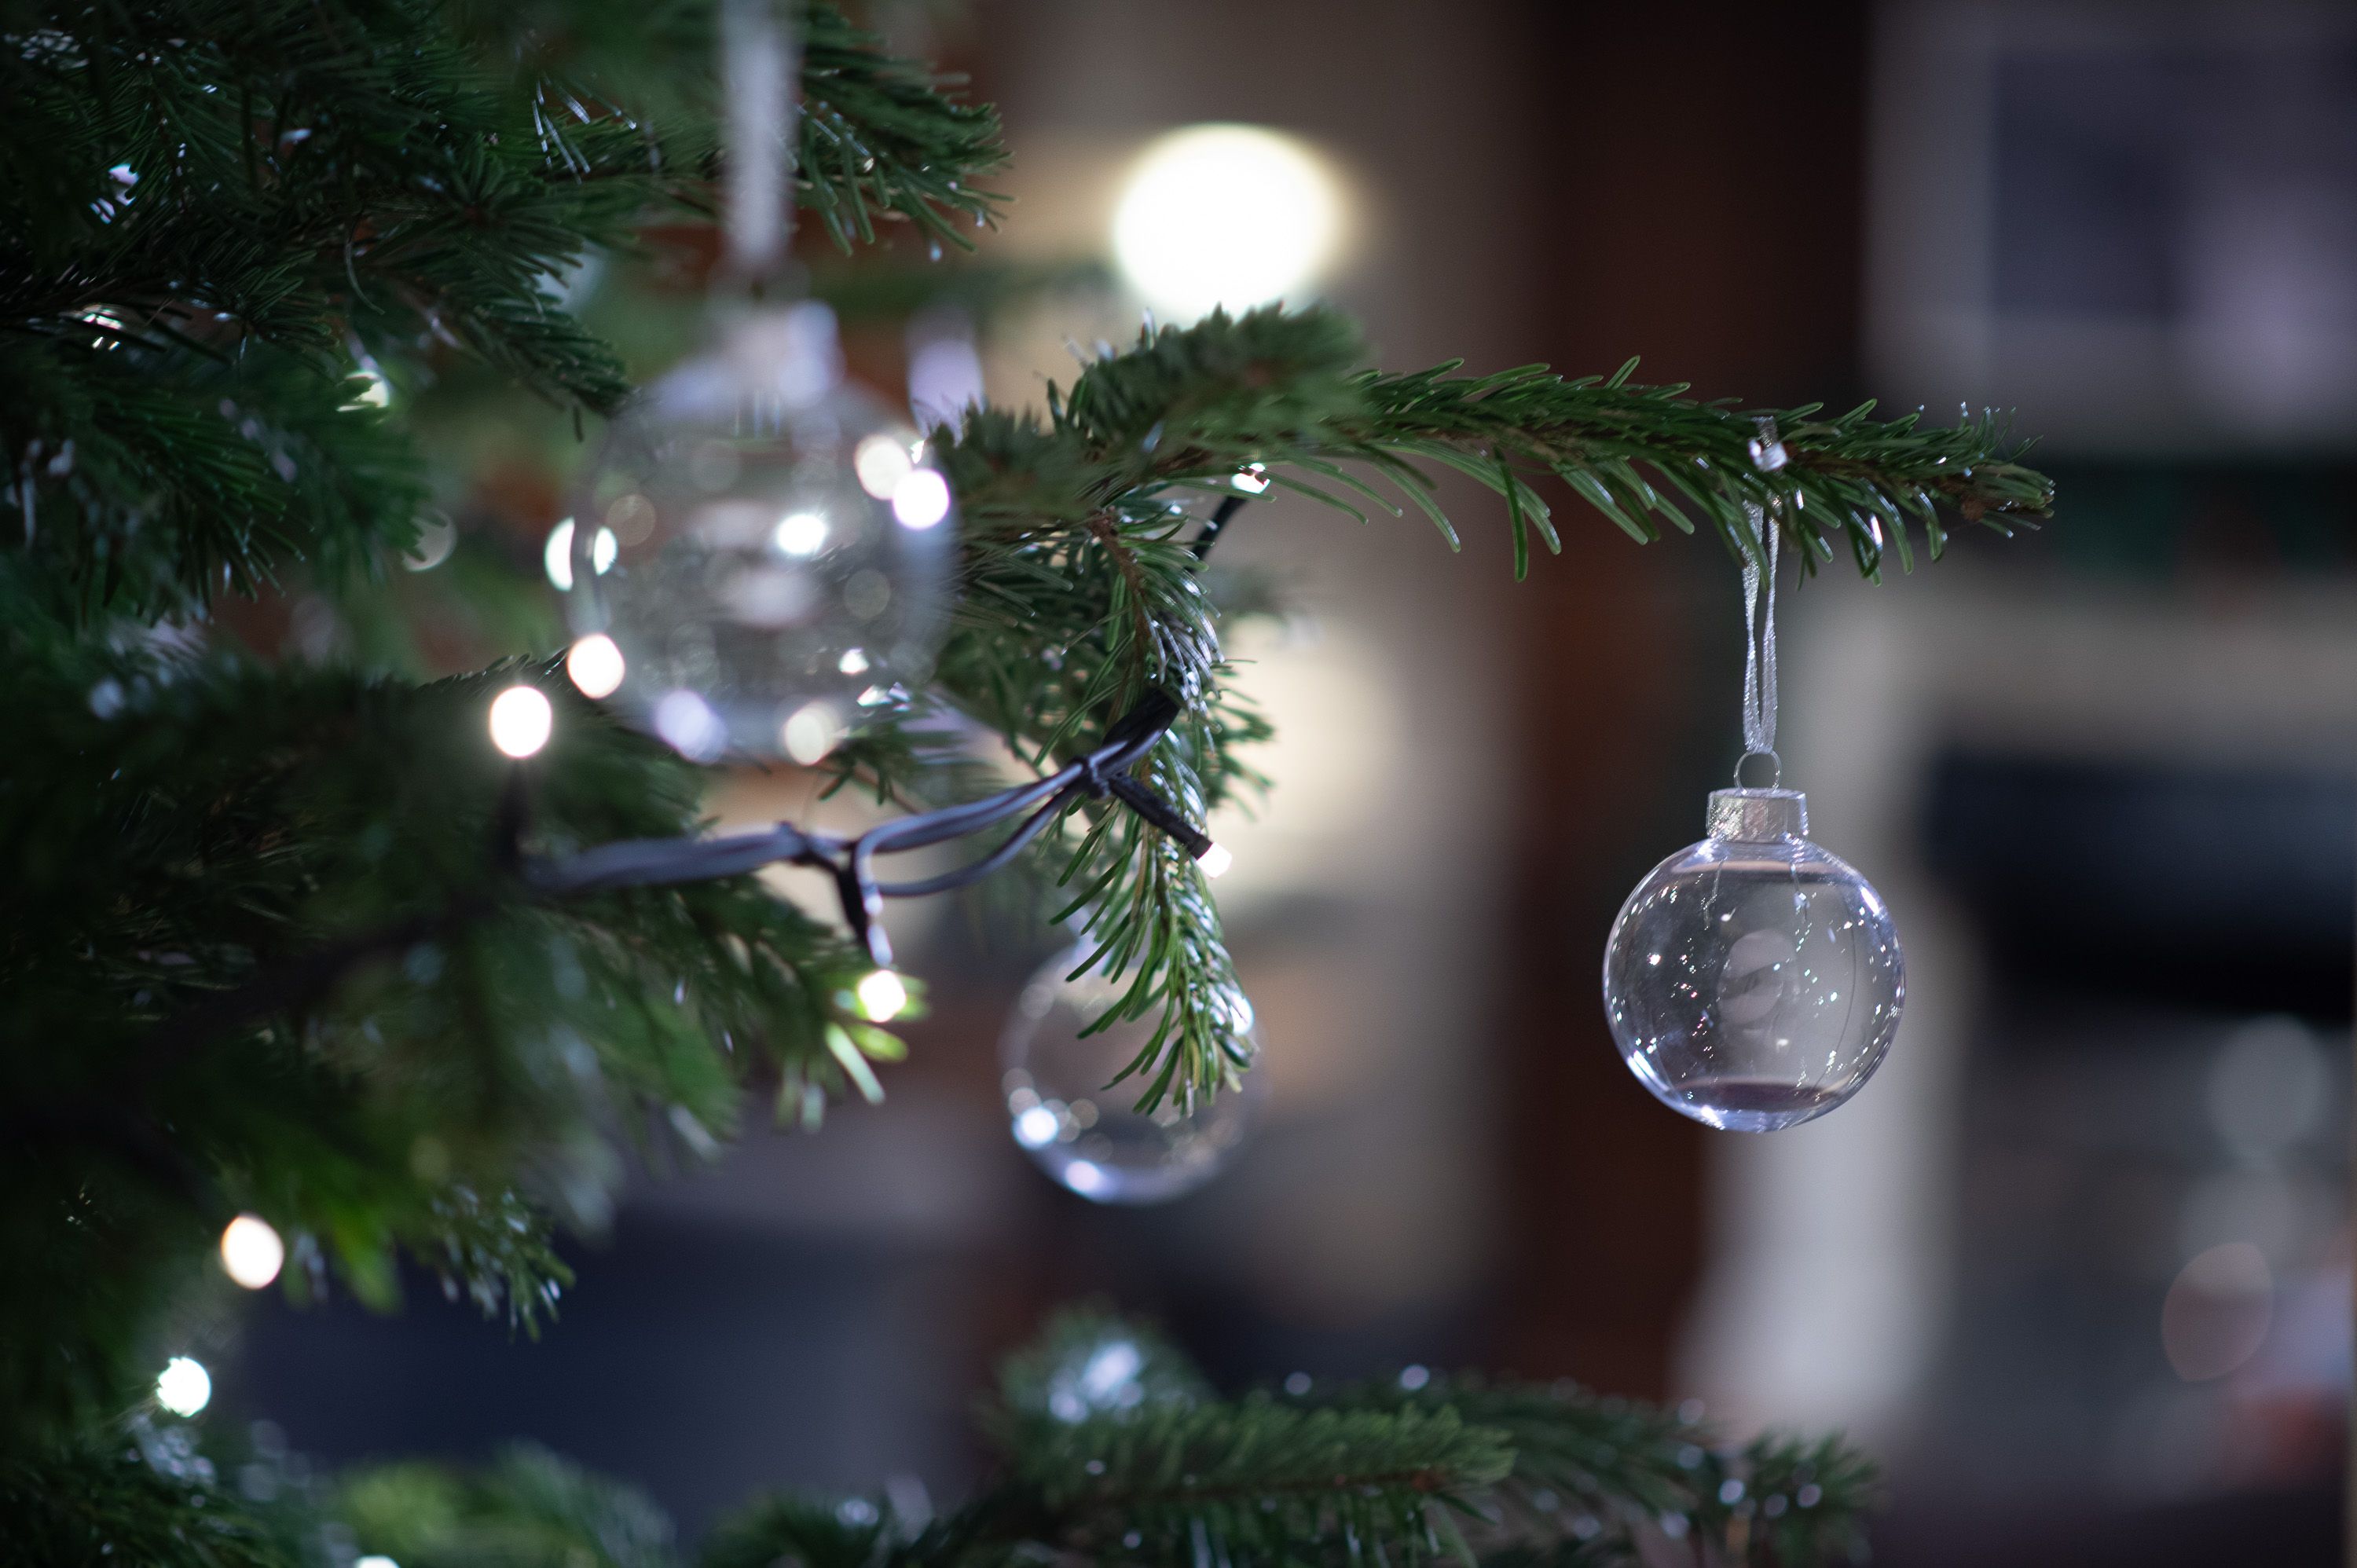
<point x="1758" y="816"/>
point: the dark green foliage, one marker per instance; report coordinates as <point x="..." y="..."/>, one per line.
<point x="1111" y="1449"/>
<point x="213" y="212"/>
<point x="527" y="1509"/>
<point x="267" y="949"/>
<point x="265" y="954"/>
<point x="109" y="1507"/>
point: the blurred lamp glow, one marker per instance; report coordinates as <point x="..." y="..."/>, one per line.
<point x="595" y="665"/>
<point x="1225" y="215"/>
<point x="1215" y="861"/>
<point x="185" y="1387"/>
<point x="882" y="996"/>
<point x="521" y="721"/>
<point x="374" y="1561"/>
<point x="251" y="1251"/>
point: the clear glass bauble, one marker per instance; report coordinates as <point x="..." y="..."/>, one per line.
<point x="767" y="548"/>
<point x="1753" y="981"/>
<point x="1085" y="1130"/>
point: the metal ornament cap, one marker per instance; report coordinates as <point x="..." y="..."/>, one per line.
<point x="1758" y="816"/>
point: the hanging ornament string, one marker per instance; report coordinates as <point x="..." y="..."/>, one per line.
<point x="1753" y="981"/>
<point x="756" y="69"/>
<point x="1759" y="616"/>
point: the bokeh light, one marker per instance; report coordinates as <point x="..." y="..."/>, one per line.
<point x="251" y="1251"/>
<point x="184" y="1387"/>
<point x="882" y="996"/>
<point x="556" y="556"/>
<point x="595" y="665"/>
<point x="2217" y="1312"/>
<point x="522" y="721"/>
<point x="1226" y="215"/>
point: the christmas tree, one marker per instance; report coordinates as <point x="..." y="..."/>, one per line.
<point x="302" y="959"/>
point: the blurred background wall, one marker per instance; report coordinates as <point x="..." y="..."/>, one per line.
<point x="2077" y="1261"/>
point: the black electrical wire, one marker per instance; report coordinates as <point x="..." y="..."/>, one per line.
<point x="1105" y="771"/>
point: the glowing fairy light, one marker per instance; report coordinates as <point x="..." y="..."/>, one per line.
<point x="922" y="500"/>
<point x="595" y="665"/>
<point x="522" y="721"/>
<point x="882" y="462"/>
<point x="882" y="996"/>
<point x="184" y="1387"/>
<point x="802" y="534"/>
<point x="811" y="732"/>
<point x="251" y="1251"/>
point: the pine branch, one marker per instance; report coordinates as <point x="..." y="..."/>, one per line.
<point x="1079" y="587"/>
<point x="100" y="1508"/>
<point x="528" y="1509"/>
<point x="1602" y="1473"/>
<point x="1146" y="1468"/>
<point x="211" y="210"/>
<point x="453" y="1074"/>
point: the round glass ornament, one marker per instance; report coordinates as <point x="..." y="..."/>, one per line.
<point x="766" y="546"/>
<point x="1083" y="1129"/>
<point x="1753" y="981"/>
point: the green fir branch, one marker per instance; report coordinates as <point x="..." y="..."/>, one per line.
<point x="270" y="911"/>
<point x="1080" y="589"/>
<point x="210" y="206"/>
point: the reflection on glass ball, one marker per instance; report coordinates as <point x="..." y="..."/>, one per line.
<point x="1752" y="981"/>
<point x="1083" y="1129"/>
<point x="766" y="548"/>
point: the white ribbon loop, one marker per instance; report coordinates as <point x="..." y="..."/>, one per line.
<point x="1759" y="616"/>
<point x="759" y="81"/>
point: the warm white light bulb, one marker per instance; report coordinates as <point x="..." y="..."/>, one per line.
<point x="1226" y="215"/>
<point x="811" y="732"/>
<point x="595" y="665"/>
<point x="375" y="1560"/>
<point x="922" y="500"/>
<point x="184" y="1387"/>
<point x="251" y="1251"/>
<point x="1216" y="860"/>
<point x="882" y="996"/>
<point x="521" y="721"/>
<point x="801" y="533"/>
<point x="881" y="461"/>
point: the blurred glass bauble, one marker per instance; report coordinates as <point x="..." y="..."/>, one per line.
<point x="1753" y="981"/>
<point x="1083" y="1129"/>
<point x="766" y="548"/>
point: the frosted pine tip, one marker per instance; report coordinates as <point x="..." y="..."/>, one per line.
<point x="1215" y="859"/>
<point x="521" y="721"/>
<point x="881" y="996"/>
<point x="251" y="1251"/>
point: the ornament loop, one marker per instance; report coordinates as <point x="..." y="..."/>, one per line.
<point x="1775" y="768"/>
<point x="1759" y="631"/>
